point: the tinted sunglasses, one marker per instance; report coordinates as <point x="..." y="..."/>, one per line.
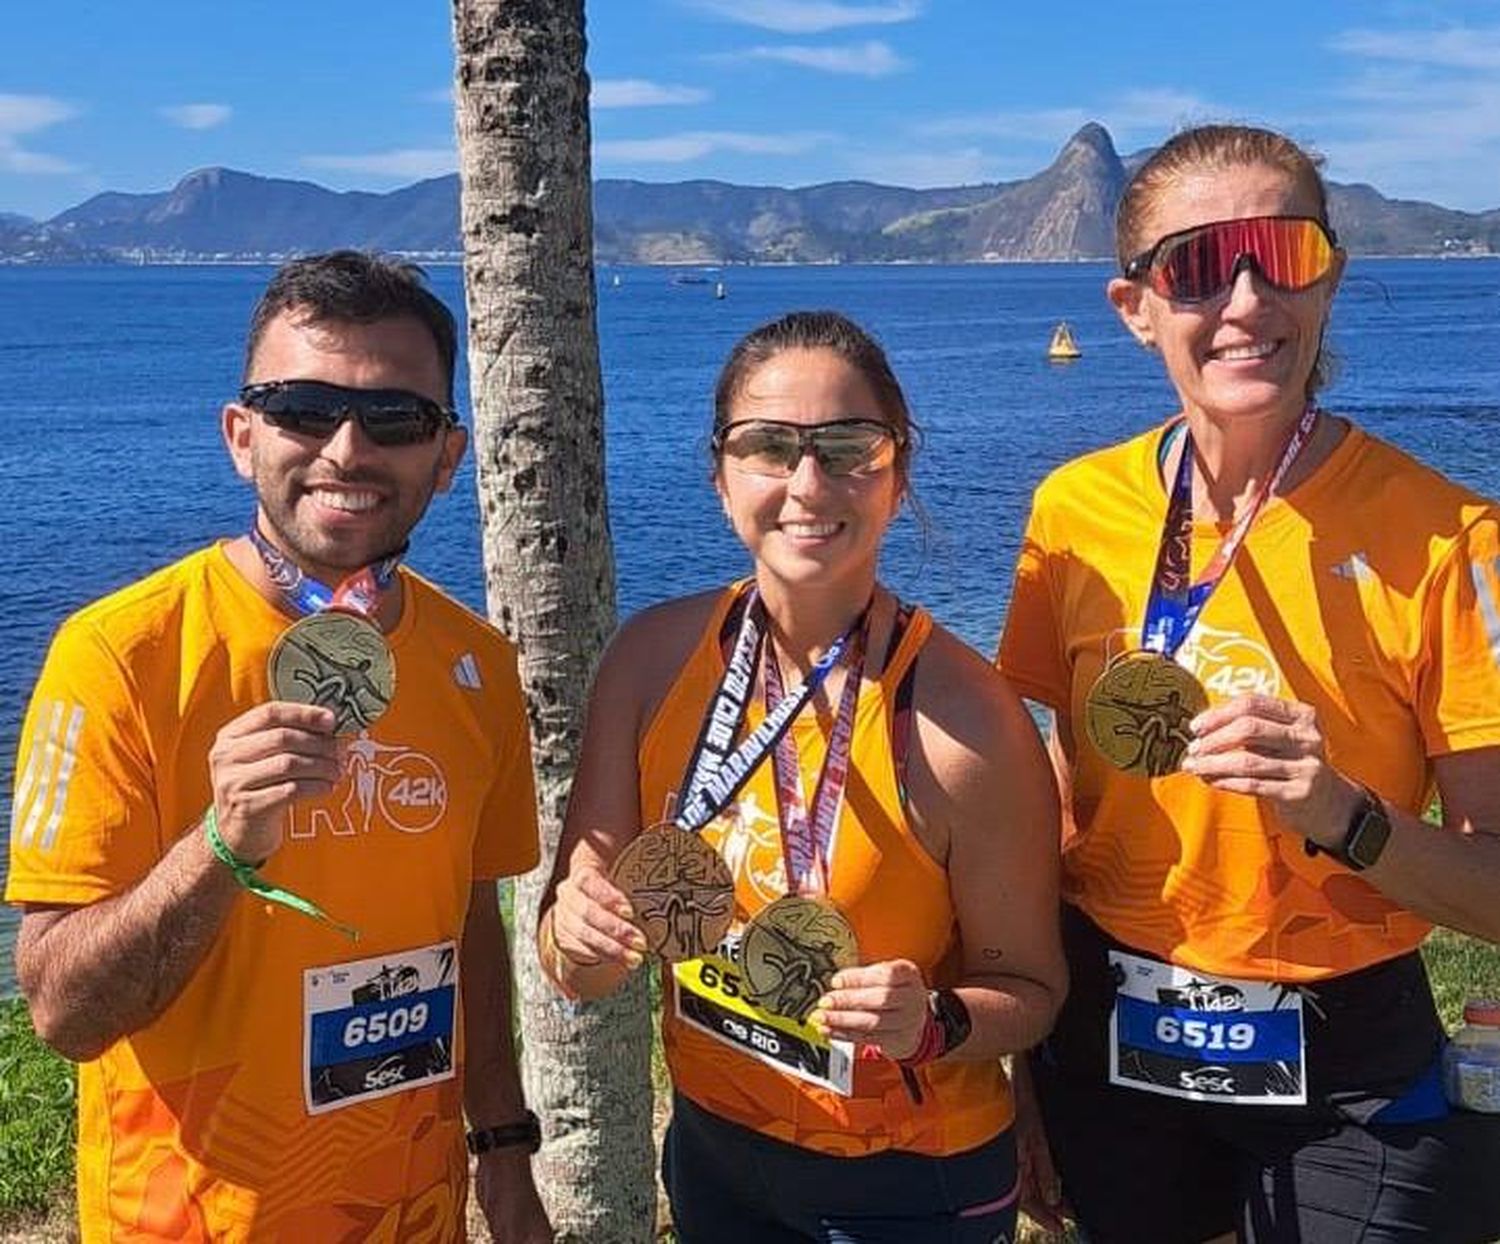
<point x="1290" y="253"/>
<point x="312" y="408"/>
<point x="841" y="447"/>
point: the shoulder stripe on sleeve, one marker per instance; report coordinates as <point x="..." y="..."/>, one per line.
<point x="43" y="791"/>
<point x="1489" y="604"/>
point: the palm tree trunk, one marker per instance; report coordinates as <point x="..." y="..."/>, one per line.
<point x="523" y="137"/>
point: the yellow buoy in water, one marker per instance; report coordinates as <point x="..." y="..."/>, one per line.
<point x="1062" y="348"/>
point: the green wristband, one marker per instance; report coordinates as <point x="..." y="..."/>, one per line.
<point x="249" y="877"/>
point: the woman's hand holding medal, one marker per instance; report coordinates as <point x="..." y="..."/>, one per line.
<point x="1259" y="745"/>
<point x="261" y="763"/>
<point x="592" y="924"/>
<point x="882" y="1004"/>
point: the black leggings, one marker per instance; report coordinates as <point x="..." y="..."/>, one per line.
<point x="731" y="1185"/>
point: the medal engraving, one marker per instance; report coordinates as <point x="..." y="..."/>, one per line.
<point x="1138" y="712"/>
<point x="681" y="889"/>
<point x="338" y="660"/>
<point x="790" y="951"/>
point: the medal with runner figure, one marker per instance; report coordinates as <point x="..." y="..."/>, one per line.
<point x="790" y="951"/>
<point x="334" y="655"/>
<point x="338" y="660"/>
<point x="1138" y="712"/>
<point x="681" y="889"/>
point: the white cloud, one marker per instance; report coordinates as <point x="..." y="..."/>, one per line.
<point x="197" y="116"/>
<point x="1456" y="47"/>
<point x="964" y="166"/>
<point x="870" y="60"/>
<point x="694" y="145"/>
<point x="1039" y="124"/>
<point x="804" y="17"/>
<point x="639" y="93"/>
<point x="27" y="114"/>
<point x="1420" y="116"/>
<point x="1159" y="109"/>
<point x="407" y="162"/>
<point x="1139" y="116"/>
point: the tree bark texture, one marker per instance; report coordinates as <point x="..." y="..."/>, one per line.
<point x="523" y="134"/>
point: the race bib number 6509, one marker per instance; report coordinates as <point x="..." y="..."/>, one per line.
<point x="378" y="1026"/>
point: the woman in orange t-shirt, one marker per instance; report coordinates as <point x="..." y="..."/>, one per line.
<point x="1268" y="639"/>
<point x="855" y="888"/>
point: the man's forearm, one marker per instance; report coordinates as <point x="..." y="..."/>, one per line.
<point x="492" y="1081"/>
<point x="94" y="974"/>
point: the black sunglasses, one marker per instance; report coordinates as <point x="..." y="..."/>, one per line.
<point x="389" y="417"/>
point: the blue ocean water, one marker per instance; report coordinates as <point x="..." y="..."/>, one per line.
<point x="111" y="380"/>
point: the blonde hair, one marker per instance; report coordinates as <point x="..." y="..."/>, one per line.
<point x="1205" y="148"/>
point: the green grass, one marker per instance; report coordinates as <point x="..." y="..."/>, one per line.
<point x="37" y="1122"/>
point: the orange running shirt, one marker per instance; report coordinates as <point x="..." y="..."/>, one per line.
<point x="883" y="880"/>
<point x="1371" y="591"/>
<point x="198" y="1126"/>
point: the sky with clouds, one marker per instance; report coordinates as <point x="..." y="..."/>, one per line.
<point x="98" y="95"/>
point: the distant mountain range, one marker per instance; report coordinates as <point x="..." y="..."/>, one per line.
<point x="1065" y="212"/>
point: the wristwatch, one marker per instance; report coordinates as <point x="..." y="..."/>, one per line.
<point x="524" y="1131"/>
<point x="952" y="1017"/>
<point x="1365" y="838"/>
<point x="1369" y="830"/>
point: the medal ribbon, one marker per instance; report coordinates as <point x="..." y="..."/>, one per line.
<point x="1175" y="601"/>
<point x="717" y="769"/>
<point x="807" y="841"/>
<point x="359" y="593"/>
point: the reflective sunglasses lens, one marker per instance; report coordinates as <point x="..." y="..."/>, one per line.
<point x="1289" y="253"/>
<point x="764" y="448"/>
<point x="398" y="425"/>
<point x="846" y="450"/>
<point x="303" y="422"/>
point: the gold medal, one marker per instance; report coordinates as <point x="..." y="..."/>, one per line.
<point x="681" y="889"/>
<point x="790" y="951"/>
<point x="1138" y="712"/>
<point x="336" y="659"/>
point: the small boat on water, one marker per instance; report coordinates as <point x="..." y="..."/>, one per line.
<point x="719" y="290"/>
<point x="1062" y="348"/>
<point x="689" y="278"/>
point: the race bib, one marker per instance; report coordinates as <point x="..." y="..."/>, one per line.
<point x="710" y="996"/>
<point x="378" y="1026"/>
<point x="1184" y="1034"/>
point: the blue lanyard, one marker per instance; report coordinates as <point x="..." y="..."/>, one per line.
<point x="360" y="592"/>
<point x="1176" y="598"/>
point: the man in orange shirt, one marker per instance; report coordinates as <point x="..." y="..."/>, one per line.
<point x="220" y="754"/>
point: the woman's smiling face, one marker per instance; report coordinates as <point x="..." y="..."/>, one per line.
<point x="1250" y="351"/>
<point x="810" y="525"/>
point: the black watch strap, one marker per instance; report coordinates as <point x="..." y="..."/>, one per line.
<point x="952" y="1016"/>
<point x="1364" y="838"/>
<point x="524" y="1131"/>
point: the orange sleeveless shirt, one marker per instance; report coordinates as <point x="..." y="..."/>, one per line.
<point x="885" y="883"/>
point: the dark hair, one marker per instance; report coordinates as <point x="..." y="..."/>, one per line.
<point x="357" y="287"/>
<point x="1215" y="148"/>
<point x="821" y="330"/>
